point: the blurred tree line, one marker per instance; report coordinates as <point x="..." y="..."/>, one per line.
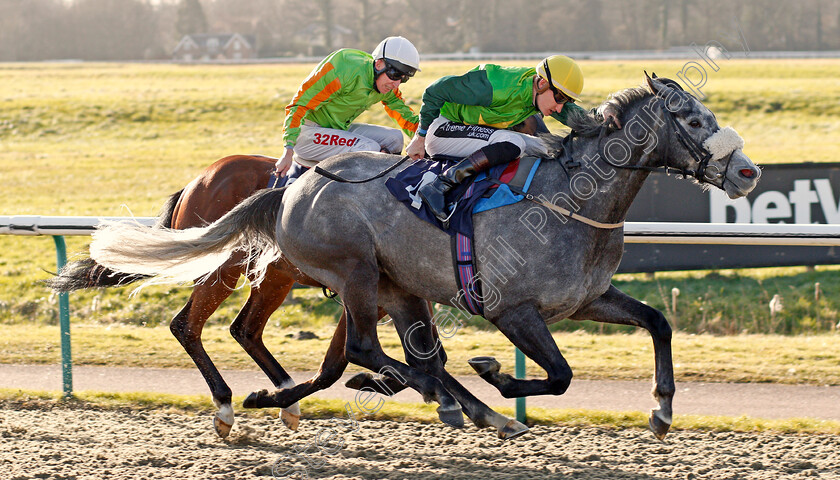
<point x="150" y="29"/>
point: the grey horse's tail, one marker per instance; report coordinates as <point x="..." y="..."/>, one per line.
<point x="164" y="255"/>
<point x="86" y="273"/>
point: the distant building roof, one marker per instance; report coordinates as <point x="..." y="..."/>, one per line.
<point x="209" y="42"/>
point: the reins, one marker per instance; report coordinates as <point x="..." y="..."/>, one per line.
<point x="573" y="215"/>
<point x="338" y="178"/>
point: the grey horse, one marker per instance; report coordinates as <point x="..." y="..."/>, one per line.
<point x="541" y="260"/>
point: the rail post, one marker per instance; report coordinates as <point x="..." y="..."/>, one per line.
<point x="519" y="372"/>
<point x="64" y="322"/>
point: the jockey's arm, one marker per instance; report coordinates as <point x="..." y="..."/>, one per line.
<point x="401" y="113"/>
<point x="319" y="86"/>
<point x="471" y="88"/>
<point x="609" y="113"/>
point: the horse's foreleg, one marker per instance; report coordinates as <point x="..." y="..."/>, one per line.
<point x="248" y="329"/>
<point x="526" y="329"/>
<point x="615" y="306"/>
<point x="187" y="326"/>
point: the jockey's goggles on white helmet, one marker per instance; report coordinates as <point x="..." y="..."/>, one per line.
<point x="401" y="58"/>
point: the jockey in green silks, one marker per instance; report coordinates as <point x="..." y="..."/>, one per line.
<point x="470" y="116"/>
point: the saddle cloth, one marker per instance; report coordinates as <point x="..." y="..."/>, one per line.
<point x="295" y="171"/>
<point x="474" y="195"/>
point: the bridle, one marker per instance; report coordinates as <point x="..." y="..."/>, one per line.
<point x="697" y="151"/>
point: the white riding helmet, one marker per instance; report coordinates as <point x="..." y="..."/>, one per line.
<point x="399" y="52"/>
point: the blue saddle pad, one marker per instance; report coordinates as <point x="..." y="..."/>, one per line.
<point x="503" y="195"/>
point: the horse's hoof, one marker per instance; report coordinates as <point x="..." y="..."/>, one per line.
<point x="222" y="427"/>
<point x="357" y="381"/>
<point x="484" y="365"/>
<point x="512" y="429"/>
<point x="253" y="399"/>
<point x="658" y="424"/>
<point x="453" y="417"/>
<point x="290" y="419"/>
<point x="223" y="420"/>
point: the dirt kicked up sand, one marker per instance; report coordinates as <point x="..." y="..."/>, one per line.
<point x="68" y="444"/>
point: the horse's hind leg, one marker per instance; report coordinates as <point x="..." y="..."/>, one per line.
<point x="363" y="347"/>
<point x="384" y="384"/>
<point x="248" y="329"/>
<point x="615" y="306"/>
<point x="187" y="326"/>
<point x="332" y="367"/>
<point x="423" y="351"/>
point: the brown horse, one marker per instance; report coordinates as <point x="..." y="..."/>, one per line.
<point x="213" y="193"/>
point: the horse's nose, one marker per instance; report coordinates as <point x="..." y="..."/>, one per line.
<point x="747" y="172"/>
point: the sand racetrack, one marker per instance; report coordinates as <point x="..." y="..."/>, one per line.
<point x="48" y="441"/>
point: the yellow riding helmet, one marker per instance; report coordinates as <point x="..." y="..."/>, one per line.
<point x="562" y="73"/>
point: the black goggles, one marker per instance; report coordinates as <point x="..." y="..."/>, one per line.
<point x="561" y="97"/>
<point x="396" y="74"/>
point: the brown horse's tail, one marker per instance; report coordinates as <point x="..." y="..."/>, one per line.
<point x="86" y="273"/>
<point x="164" y="255"/>
<point x="167" y="211"/>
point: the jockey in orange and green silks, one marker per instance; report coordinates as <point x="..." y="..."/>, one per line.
<point x="319" y="119"/>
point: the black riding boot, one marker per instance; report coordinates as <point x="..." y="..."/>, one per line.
<point x="490" y="156"/>
<point x="434" y="193"/>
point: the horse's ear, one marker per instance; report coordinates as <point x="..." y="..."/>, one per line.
<point x="657" y="85"/>
<point x="653" y="85"/>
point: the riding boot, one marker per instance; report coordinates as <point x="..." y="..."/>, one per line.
<point x="434" y="193"/>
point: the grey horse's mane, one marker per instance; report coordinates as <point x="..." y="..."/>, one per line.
<point x="589" y="124"/>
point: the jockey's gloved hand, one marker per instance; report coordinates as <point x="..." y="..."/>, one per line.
<point x="610" y="115"/>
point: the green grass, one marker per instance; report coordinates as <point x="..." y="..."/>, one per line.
<point x="727" y="302"/>
<point x="713" y="302"/>
<point x="417" y="412"/>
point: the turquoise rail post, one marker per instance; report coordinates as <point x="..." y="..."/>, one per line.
<point x="519" y="372"/>
<point x="64" y="322"/>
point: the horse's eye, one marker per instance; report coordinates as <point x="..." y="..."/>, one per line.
<point x="695" y="124"/>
